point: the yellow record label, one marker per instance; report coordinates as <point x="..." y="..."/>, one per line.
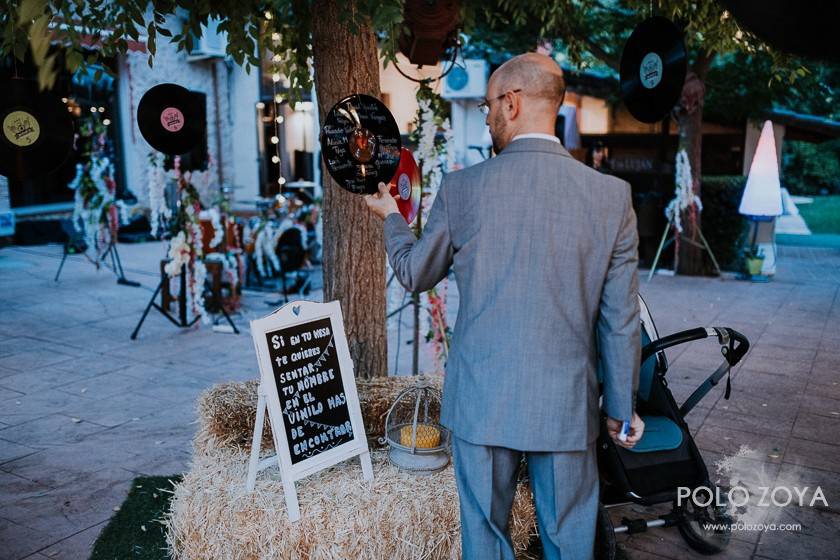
<point x="21" y="128"/>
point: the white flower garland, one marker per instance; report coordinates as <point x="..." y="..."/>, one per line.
<point x="684" y="196"/>
<point x="435" y="158"/>
<point x="218" y="230"/>
<point x="157" y="193"/>
<point x="179" y="255"/>
<point x="88" y="219"/>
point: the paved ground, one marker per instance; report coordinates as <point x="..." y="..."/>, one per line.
<point x="83" y="409"/>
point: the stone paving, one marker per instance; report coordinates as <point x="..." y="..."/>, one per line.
<point x="83" y="409"/>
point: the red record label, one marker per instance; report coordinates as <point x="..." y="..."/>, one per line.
<point x="405" y="186"/>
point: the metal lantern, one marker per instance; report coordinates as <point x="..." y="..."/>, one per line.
<point x="417" y="441"/>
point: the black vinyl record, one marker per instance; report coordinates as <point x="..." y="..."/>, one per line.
<point x="37" y="132"/>
<point x="360" y="143"/>
<point x="653" y="67"/>
<point x="170" y="119"/>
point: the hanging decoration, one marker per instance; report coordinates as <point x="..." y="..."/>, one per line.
<point x="186" y="252"/>
<point x="96" y="212"/>
<point x="685" y="199"/>
<point x="157" y="177"/>
<point x="433" y="134"/>
<point x="685" y="205"/>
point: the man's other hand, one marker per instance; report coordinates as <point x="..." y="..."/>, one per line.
<point x="637" y="428"/>
<point x="382" y="203"/>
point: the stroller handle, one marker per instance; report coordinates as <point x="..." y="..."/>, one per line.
<point x="733" y="346"/>
<point x="726" y="337"/>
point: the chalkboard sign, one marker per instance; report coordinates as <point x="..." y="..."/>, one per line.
<point x="311" y="391"/>
<point x="308" y="387"/>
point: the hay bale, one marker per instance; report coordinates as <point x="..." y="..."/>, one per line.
<point x="227" y="411"/>
<point x="398" y="516"/>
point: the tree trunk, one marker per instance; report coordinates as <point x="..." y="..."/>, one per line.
<point x="354" y="252"/>
<point x="690" y="120"/>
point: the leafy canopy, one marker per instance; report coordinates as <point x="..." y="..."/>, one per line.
<point x="589" y="31"/>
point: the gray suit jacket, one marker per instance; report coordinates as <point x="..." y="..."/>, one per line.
<point x="545" y="257"/>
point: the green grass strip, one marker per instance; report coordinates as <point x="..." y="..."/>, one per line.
<point x="135" y="531"/>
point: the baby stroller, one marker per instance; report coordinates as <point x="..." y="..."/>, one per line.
<point x="666" y="457"/>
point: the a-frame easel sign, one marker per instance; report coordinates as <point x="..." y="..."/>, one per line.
<point x="308" y="387"/>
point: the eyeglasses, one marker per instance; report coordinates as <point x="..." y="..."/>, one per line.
<point x="484" y="106"/>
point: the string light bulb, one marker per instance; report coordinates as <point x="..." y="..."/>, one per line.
<point x="276" y="77"/>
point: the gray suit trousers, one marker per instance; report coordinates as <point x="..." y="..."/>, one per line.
<point x="565" y="487"/>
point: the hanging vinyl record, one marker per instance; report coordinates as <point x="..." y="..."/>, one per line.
<point x="653" y="67"/>
<point x="37" y="133"/>
<point x="170" y="119"/>
<point x="360" y="143"/>
<point x="405" y="186"/>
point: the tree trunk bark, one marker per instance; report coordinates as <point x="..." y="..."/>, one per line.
<point x="354" y="251"/>
<point x="691" y="257"/>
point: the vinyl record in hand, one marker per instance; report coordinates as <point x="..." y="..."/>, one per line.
<point x="360" y="143"/>
<point x="405" y="186"/>
<point x="653" y="67"/>
<point x="37" y="133"/>
<point x="170" y="119"/>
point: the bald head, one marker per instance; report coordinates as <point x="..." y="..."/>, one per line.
<point x="533" y="88"/>
<point x="537" y="75"/>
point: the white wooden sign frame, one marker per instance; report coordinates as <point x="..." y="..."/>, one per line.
<point x="290" y="315"/>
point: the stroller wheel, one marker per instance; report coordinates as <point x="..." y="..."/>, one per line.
<point x="604" y="536"/>
<point x="705" y="529"/>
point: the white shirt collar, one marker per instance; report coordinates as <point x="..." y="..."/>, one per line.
<point x="539" y="135"/>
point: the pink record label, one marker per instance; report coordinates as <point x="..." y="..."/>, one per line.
<point x="172" y="119"/>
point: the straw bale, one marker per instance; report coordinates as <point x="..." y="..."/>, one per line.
<point x="398" y="516"/>
<point x="227" y="411"/>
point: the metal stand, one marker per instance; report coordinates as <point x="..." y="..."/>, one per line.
<point x="665" y="242"/>
<point x="116" y="264"/>
<point x="181" y="321"/>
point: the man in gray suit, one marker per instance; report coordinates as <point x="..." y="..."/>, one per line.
<point x="544" y="251"/>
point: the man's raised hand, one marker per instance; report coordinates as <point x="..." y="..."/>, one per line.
<point x="382" y="203"/>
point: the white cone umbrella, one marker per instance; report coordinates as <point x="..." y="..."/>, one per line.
<point x="763" y="193"/>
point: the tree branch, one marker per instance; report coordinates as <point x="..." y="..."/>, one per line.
<point x="601" y="54"/>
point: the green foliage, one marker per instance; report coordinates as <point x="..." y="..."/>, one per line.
<point x="741" y="86"/>
<point x="588" y="31"/>
<point x="809" y="168"/>
<point x="822" y="215"/>
<point x="723" y="227"/>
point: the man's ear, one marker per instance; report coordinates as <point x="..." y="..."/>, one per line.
<point x="512" y="104"/>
